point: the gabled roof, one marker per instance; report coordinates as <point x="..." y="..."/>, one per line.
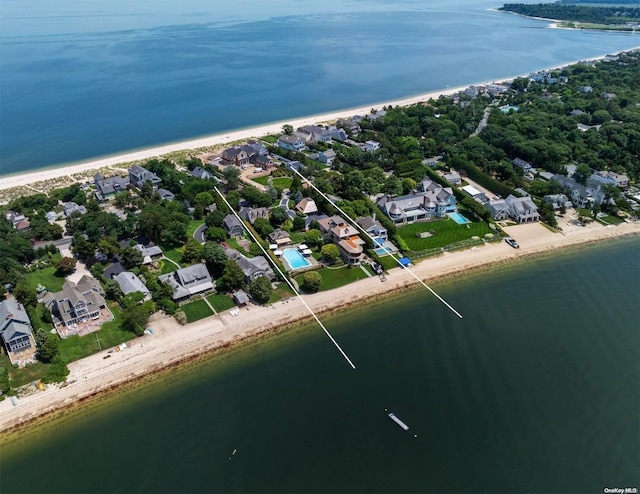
<point x="199" y="172"/>
<point x="130" y="283"/>
<point x="10" y="310"/>
<point x="230" y="222"/>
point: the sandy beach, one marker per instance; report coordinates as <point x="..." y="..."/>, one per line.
<point x="31" y="179"/>
<point x="172" y="343"/>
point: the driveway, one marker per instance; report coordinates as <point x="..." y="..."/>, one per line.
<point x="199" y="234"/>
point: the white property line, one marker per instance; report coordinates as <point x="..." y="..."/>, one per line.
<point x="355" y="224"/>
<point x="286" y="279"/>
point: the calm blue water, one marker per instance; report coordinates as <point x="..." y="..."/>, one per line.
<point x="536" y="390"/>
<point x="294" y="259"/>
<point x="80" y="80"/>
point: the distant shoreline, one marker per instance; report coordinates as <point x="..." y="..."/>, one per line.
<point x="33" y="177"/>
<point x="173" y="347"/>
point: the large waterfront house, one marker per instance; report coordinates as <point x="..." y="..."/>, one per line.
<point x="15" y="326"/>
<point x="519" y="209"/>
<point x="130" y="283"/>
<point x="557" y="201"/>
<point x="106" y="188"/>
<point x="188" y="281"/>
<point x="312" y="134"/>
<point x="252" y="267"/>
<point x="582" y="196"/>
<point x="76" y="303"/>
<point x="432" y="201"/>
<point x="252" y="152"/>
<point x="291" y="143"/>
<point x="345" y="237"/>
<point x="139" y="175"/>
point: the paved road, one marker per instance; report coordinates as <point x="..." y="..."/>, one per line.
<point x="199" y="234"/>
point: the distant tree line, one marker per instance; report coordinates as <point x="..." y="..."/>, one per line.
<point x="576" y="13"/>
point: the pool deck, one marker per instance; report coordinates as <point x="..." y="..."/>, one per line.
<point x="313" y="264"/>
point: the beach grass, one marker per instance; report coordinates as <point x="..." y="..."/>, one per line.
<point x="196" y="310"/>
<point x="445" y="232"/>
<point x="336" y="277"/>
<point x="46" y="277"/>
<point x="220" y="302"/>
<point x="109" y="335"/>
<point x="28" y="374"/>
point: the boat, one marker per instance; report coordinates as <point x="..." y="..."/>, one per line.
<point x="512" y="242"/>
<point x="398" y="421"/>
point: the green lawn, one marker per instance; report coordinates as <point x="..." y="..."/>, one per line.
<point x="46" y="277"/>
<point x="282" y="183"/>
<point x="611" y="220"/>
<point x="221" y="302"/>
<point x="28" y="374"/>
<point x="193" y="226"/>
<point x="196" y="310"/>
<point x="77" y="347"/>
<point x="336" y="277"/>
<point x="279" y="183"/>
<point x="167" y="267"/>
<point x="35" y="315"/>
<point x="446" y="232"/>
<point x="174" y="254"/>
<point x="271" y="139"/>
<point x="281" y="292"/>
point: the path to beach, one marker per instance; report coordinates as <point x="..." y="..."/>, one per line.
<point x="171" y="342"/>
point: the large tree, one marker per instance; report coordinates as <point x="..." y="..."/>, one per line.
<point x="232" y="277"/>
<point x="192" y="252"/>
<point x="215" y="257"/>
<point x="260" y="289"/>
<point x="330" y="253"/>
<point x="311" y="281"/>
<point x="65" y="265"/>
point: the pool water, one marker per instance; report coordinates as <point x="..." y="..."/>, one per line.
<point x="294" y="259"/>
<point x="459" y="219"/>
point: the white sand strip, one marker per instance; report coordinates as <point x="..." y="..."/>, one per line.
<point x="172" y="342"/>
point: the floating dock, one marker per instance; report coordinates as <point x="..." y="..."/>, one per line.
<point x="398" y="421"/>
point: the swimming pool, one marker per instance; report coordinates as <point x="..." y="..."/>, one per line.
<point x="459" y="219"/>
<point x="294" y="259"/>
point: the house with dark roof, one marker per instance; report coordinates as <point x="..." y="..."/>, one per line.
<point x="234" y="156"/>
<point x="130" y="283"/>
<point x="279" y="237"/>
<point x="524" y="165"/>
<point x="348" y="125"/>
<point x="326" y="157"/>
<point x="15" y="326"/>
<point x="188" y="281"/>
<point x="201" y="173"/>
<point x="139" y="175"/>
<point x="373" y="227"/>
<point x="252" y="267"/>
<point x="106" y="188"/>
<point x="76" y="303"/>
<point x="233" y="226"/>
<point x="252" y="214"/>
<point x="166" y="195"/>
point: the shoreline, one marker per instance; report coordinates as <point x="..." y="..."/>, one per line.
<point x="41" y="175"/>
<point x="173" y="346"/>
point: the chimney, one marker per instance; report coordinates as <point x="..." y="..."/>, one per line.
<point x="374" y="216"/>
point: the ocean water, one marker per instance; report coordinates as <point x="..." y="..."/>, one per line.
<point x="80" y="80"/>
<point x="535" y="390"/>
